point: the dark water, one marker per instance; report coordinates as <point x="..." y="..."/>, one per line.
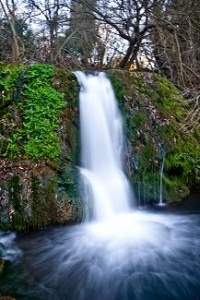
<point x="142" y="256"/>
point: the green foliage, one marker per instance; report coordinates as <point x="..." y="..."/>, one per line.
<point x="40" y="73"/>
<point x="40" y="107"/>
<point x="41" y="112"/>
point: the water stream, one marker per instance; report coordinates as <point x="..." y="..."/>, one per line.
<point x="118" y="253"/>
<point x="161" y="203"/>
<point x="105" y="184"/>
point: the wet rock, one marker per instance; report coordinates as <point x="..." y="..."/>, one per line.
<point x="2" y="265"/>
<point x="7" y="298"/>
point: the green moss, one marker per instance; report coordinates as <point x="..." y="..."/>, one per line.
<point x="139" y="119"/>
<point x="168" y="99"/>
<point x="66" y="82"/>
<point x="174" y="189"/>
<point x="154" y="113"/>
<point x="118" y="87"/>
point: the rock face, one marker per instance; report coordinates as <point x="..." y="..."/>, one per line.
<point x="38" y="148"/>
<point x="39" y="143"/>
<point x="31" y="196"/>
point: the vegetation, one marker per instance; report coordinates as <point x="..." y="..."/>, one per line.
<point x="155" y="111"/>
<point x="39" y="107"/>
<point x="38" y="150"/>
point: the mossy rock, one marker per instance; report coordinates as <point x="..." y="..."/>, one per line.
<point x="154" y="112"/>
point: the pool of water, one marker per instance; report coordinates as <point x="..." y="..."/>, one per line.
<point x="141" y="255"/>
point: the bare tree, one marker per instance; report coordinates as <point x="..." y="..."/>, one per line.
<point x="9" y="8"/>
<point x="83" y="27"/>
<point x="176" y="41"/>
<point x="51" y="15"/>
<point x="130" y="20"/>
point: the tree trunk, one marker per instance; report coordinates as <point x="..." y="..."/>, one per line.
<point x="15" y="44"/>
<point x="126" y="58"/>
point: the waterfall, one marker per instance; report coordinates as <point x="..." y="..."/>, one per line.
<point x="106" y="188"/>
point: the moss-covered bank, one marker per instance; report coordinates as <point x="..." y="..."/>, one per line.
<point x="155" y="114"/>
<point x="39" y="142"/>
<point x="38" y="147"/>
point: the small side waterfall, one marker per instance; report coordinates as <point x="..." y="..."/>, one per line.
<point x="106" y="187"/>
<point x="161" y="202"/>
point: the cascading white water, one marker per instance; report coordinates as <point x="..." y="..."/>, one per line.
<point x="161" y="202"/>
<point x="107" y="188"/>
